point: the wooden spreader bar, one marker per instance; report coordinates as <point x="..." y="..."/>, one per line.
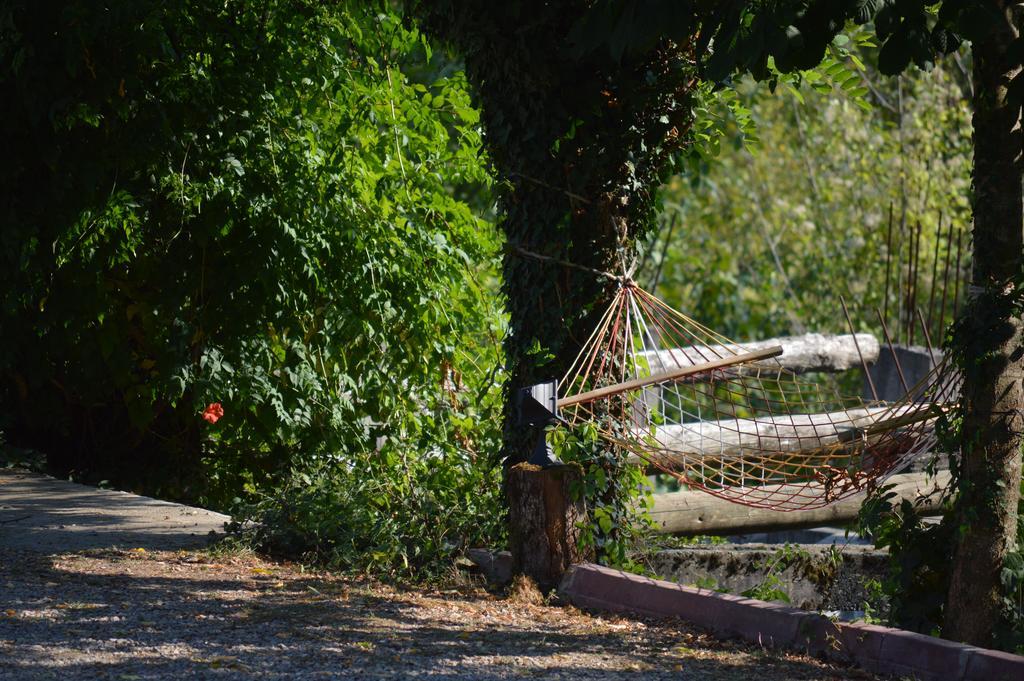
<point x="666" y="376"/>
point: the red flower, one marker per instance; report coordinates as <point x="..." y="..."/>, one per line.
<point x="213" y="412"/>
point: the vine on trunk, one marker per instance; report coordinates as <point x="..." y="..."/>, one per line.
<point x="580" y="139"/>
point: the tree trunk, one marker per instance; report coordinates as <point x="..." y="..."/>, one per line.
<point x="545" y="521"/>
<point x="580" y="143"/>
<point x="992" y="340"/>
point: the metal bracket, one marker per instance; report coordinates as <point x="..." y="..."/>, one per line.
<point x="537" y="406"/>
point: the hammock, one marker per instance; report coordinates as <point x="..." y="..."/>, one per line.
<point x="733" y="422"/>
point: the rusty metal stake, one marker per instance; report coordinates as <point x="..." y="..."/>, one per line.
<point x="888" y="262"/>
<point x="945" y="276"/>
<point x="935" y="270"/>
<point x="927" y="337"/>
<point x="863" y="364"/>
<point x="957" y="274"/>
<point x="915" y="273"/>
<point x="892" y="349"/>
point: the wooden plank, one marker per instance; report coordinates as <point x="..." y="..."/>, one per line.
<point x="696" y="512"/>
<point x="800" y="354"/>
<point x="671" y="375"/>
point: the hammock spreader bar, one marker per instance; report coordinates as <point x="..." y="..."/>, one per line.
<point x="666" y="376"/>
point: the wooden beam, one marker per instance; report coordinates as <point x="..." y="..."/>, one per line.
<point x="800" y="354"/>
<point x="665" y="377"/>
<point x="696" y="512"/>
<point x="730" y="438"/>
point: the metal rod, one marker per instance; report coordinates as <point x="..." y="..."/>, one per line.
<point x="892" y="349"/>
<point x="863" y="364"/>
<point x="927" y="337"/>
<point x="899" y="284"/>
<point x="666" y="376"/>
<point x="915" y="273"/>
<point x="945" y="275"/>
<point x="958" y="274"/>
<point x="903" y="332"/>
<point x="888" y="262"/>
<point x="935" y="270"/>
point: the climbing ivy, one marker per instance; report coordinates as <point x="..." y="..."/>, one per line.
<point x="581" y="138"/>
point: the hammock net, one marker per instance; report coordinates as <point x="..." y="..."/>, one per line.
<point x="732" y="421"/>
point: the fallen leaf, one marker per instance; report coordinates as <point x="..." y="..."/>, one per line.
<point x="223" y="660"/>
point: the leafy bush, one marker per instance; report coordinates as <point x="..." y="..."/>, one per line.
<point x="617" y="494"/>
<point x="253" y="205"/>
<point x="381" y="515"/>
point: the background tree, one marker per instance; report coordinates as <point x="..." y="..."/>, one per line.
<point x="765" y="38"/>
<point x="760" y="237"/>
<point x="991" y="337"/>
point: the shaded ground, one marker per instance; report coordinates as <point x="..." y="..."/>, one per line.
<point x="139" y="613"/>
<point x="119" y="614"/>
<point x="44" y="514"/>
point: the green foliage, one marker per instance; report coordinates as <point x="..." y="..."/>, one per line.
<point x="256" y="206"/>
<point x="761" y="239"/>
<point x="770" y="588"/>
<point x="618" y="505"/>
<point x="795" y="35"/>
<point x="874" y="593"/>
<point x="919" y="558"/>
<point x="377" y="514"/>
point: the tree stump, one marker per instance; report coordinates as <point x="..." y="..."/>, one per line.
<point x="545" y="521"/>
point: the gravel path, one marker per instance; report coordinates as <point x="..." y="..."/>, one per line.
<point x="139" y="614"/>
<point x="96" y="584"/>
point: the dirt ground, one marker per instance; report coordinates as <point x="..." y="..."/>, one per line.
<point x="143" y="614"/>
<point x="96" y="584"/>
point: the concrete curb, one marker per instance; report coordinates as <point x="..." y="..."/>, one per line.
<point x="42" y="514"/>
<point x="877" y="649"/>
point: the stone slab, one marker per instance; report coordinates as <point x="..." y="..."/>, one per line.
<point x="810" y="576"/>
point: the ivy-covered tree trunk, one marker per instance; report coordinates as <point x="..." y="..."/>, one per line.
<point x="580" y="142"/>
<point x="991" y="339"/>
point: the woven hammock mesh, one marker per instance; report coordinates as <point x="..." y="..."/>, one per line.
<point x="745" y="429"/>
